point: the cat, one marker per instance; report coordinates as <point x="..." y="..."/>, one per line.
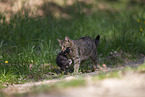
<point x="62" y="60"/>
<point x="80" y="50"/>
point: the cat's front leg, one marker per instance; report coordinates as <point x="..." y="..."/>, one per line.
<point x="76" y="65"/>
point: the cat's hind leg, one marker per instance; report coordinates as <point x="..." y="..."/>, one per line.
<point x="95" y="65"/>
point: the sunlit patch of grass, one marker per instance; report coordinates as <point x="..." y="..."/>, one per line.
<point x="110" y="74"/>
<point x="8" y="79"/>
<point x="57" y="86"/>
<point x="141" y="68"/>
<point x="71" y="83"/>
<point x="119" y="73"/>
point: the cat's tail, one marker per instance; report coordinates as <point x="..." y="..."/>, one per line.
<point x="97" y="39"/>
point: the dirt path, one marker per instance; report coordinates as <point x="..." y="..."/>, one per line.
<point x="130" y="85"/>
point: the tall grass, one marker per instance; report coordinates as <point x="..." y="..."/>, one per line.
<point x="30" y="46"/>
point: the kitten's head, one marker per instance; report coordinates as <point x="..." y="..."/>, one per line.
<point x="67" y="51"/>
<point x="64" y="44"/>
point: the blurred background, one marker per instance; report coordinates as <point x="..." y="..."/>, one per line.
<point x="67" y="8"/>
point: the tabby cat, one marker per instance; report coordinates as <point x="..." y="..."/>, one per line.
<point x="80" y="50"/>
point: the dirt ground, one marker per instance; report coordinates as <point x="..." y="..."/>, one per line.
<point x="131" y="84"/>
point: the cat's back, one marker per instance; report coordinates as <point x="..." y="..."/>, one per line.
<point x="85" y="38"/>
<point x="84" y="41"/>
<point x="84" y="47"/>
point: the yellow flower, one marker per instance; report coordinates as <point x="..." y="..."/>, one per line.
<point x="138" y="20"/>
<point x="141" y="29"/>
<point x="32" y="61"/>
<point x="6" y="61"/>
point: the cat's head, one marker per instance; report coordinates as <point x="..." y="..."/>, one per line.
<point x="64" y="44"/>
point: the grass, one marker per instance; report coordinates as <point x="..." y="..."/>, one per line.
<point x="29" y="43"/>
<point x="61" y="85"/>
<point x="120" y="73"/>
<point x="111" y="74"/>
<point x="141" y="68"/>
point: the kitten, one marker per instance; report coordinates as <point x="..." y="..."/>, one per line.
<point x="81" y="49"/>
<point x="62" y="60"/>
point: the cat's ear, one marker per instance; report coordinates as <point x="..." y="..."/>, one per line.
<point x="59" y="40"/>
<point x="69" y="40"/>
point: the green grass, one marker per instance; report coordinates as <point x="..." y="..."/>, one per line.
<point x="27" y="41"/>
<point x="119" y="73"/>
<point x="111" y="74"/>
<point x="61" y="85"/>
